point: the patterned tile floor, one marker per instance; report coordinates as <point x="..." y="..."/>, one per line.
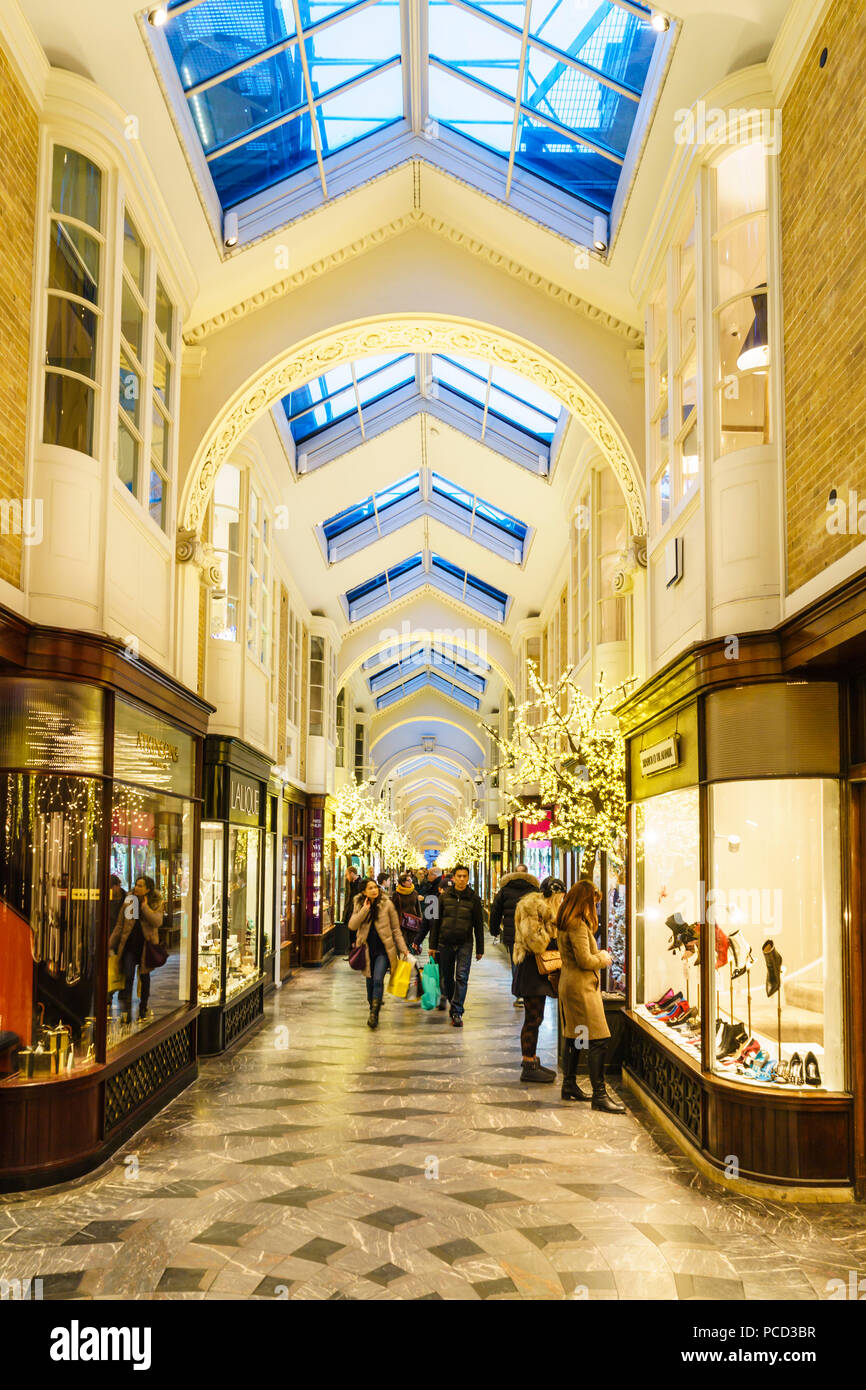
<point x="323" y="1161"/>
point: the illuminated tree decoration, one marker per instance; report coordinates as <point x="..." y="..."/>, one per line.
<point x="362" y="827"/>
<point x="569" y="748"/>
<point x="465" y="843"/>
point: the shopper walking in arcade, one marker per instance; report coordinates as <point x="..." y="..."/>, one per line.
<point x="535" y="978"/>
<point x="353" y="885"/>
<point x="428" y="896"/>
<point x="408" y="906"/>
<point x="512" y="888"/>
<point x="461" y="917"/>
<point x="375" y="921"/>
<point x="580" y="996"/>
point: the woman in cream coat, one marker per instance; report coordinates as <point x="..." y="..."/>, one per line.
<point x="580" y="996"/>
<point x="375" y="920"/>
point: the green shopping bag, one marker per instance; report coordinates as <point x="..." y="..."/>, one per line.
<point x="400" y="977"/>
<point x="430" y="981"/>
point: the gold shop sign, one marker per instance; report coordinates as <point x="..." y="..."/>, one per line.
<point x="157" y="747"/>
<point x="661" y="757"/>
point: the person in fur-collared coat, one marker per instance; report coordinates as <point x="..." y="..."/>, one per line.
<point x="535" y="933"/>
<point x="374" y="918"/>
<point x="580" y="995"/>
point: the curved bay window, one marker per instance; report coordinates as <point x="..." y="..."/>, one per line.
<point x="740" y="299"/>
<point x="74" y="294"/>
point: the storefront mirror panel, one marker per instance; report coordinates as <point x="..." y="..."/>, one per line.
<point x="774" y="911"/>
<point x="150" y="910"/>
<point x="50" y="904"/>
<point x="666" y="938"/>
<point x="242" y="947"/>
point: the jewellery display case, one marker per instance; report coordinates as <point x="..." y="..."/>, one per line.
<point x="98" y="815"/>
<point x="232" y="894"/>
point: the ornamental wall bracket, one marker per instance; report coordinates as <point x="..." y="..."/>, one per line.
<point x="190" y="549"/>
<point x="632" y="560"/>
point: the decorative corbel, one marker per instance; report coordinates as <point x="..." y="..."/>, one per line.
<point x="632" y="559"/>
<point x="191" y="549"/>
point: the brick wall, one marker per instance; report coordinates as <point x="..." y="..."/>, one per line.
<point x="824" y="285"/>
<point x="18" y="163"/>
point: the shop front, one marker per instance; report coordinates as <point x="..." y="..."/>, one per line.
<point x="740" y="999"/>
<point x="233" y="891"/>
<point x="292" y="871"/>
<point x="99" y="815"/>
<point x="318" y="941"/>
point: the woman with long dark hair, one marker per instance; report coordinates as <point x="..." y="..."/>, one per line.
<point x="580" y="995"/>
<point x="375" y="920"/>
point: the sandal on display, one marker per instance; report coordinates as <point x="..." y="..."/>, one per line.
<point x="782" y="1073"/>
<point x="683" y="1019"/>
<point x="812" y="1072"/>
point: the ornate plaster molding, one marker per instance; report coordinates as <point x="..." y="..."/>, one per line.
<point x="400" y="333"/>
<point x="382" y="235"/>
<point x="191" y="549"/>
<point x="632" y="560"/>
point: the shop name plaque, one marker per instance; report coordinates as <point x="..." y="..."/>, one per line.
<point x="660" y="757"/>
<point x="157" y="747"/>
<point x="244" y="797"/>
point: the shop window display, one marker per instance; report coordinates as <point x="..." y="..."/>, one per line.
<point x="774" y="921"/>
<point x="149" y="914"/>
<point x="242" y="947"/>
<point x="666" y="857"/>
<point x="210" y="914"/>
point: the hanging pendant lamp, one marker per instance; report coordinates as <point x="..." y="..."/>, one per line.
<point x="755" y="355"/>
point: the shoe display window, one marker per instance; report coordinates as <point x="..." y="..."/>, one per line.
<point x="774" y="922"/>
<point x="666" y="969"/>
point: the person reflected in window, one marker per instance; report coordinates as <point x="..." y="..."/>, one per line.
<point x="139" y="922"/>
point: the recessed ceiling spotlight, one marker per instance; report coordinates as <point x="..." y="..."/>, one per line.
<point x="158" y="16"/>
<point x="660" y="22"/>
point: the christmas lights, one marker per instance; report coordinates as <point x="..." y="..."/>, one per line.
<point x="569" y="748"/>
<point x="465" y="844"/>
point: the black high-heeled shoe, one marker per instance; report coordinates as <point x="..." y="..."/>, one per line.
<point x="812" y="1070"/>
<point x="795" y="1069"/>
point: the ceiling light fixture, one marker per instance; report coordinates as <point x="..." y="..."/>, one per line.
<point x="660" y="22"/>
<point x="158" y="16"/>
<point x="599" y="232"/>
<point x="230" y="229"/>
<point x="755" y="356"/>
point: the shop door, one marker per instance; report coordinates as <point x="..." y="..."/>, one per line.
<point x="297" y="900"/>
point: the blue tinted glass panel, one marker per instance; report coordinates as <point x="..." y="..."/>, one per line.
<point x="527" y="391"/>
<point x="368" y="587"/>
<point x="447" y="568"/>
<point x="502" y="520"/>
<point x="463" y="378"/>
<point x="250" y="99"/>
<point x="508" y="11"/>
<point x="344" y="521"/>
<point x="264" y="161"/>
<point x="469" y="44"/>
<point x="356" y="45"/>
<point x="454" y="493"/>
<point x="328" y="412"/>
<point x="483" y="118"/>
<point x="389" y="497"/>
<point x="507" y="407"/>
<point x="316" y="11"/>
<point x="564" y="94"/>
<point x="389" y="379"/>
<point x="369" y="107"/>
<point x="414" y="562"/>
<point x="566" y="164"/>
<point x="478" y="584"/>
<point x="217" y="34"/>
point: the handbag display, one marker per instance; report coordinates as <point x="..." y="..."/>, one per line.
<point x="358" y="957"/>
<point x="154" y="955"/>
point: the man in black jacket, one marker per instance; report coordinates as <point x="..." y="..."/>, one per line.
<point x="354" y="884"/>
<point x="512" y="888"/>
<point x="428" y="896"/>
<point x="461" y="917"/>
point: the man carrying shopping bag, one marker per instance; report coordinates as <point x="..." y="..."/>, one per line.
<point x="461" y="916"/>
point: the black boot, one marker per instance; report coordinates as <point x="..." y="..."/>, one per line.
<point x="373" y="1016"/>
<point x="570" y="1088"/>
<point x="532" y="1070"/>
<point x="601" y="1097"/>
<point x="774" y="968"/>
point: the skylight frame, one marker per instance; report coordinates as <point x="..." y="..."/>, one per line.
<point x="433" y="571"/>
<point x="424" y="680"/>
<point x="374" y="520"/>
<point x="426" y="659"/>
<point x="408" y="137"/>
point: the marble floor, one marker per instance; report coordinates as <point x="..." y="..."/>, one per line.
<point x="324" y="1161"/>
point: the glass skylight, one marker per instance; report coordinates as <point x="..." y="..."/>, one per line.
<point x="357" y="401"/>
<point x="276" y="86"/>
<point x="281" y="92"/>
<point x="423" y="493"/>
<point x="560" y="104"/>
<point x="415" y="572"/>
<point x="426" y="659"/>
<point x="436" y="682"/>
